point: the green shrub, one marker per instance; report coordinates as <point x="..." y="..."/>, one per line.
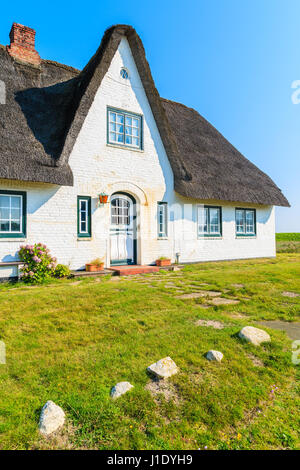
<point x="38" y="263"/>
<point x="292" y="237"/>
<point x="62" y="270"/>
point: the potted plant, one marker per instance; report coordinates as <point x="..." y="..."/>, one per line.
<point x="163" y="261"/>
<point x="95" y="265"/>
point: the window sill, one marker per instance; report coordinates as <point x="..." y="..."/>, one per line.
<point x="162" y="238"/>
<point x="210" y="237"/>
<point x="124" y="147"/>
<point x="12" y="239"/>
<point x="245" y="236"/>
<point x="84" y="239"/>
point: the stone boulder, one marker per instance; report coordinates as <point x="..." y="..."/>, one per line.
<point x="214" y="355"/>
<point x="52" y="418"/>
<point x="120" y="389"/>
<point x="254" y="335"/>
<point x="163" y="368"/>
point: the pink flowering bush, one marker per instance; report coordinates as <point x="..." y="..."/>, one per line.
<point x="38" y="263"/>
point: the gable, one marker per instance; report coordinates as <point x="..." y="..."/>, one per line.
<point x="119" y="161"/>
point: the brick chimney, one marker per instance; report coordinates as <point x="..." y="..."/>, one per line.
<point x="22" y="44"/>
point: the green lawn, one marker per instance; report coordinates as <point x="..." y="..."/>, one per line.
<point x="288" y="242"/>
<point x="71" y="342"/>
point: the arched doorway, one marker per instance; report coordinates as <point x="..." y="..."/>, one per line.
<point x="123" y="229"/>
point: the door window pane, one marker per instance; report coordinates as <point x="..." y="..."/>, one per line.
<point x="120" y="211"/>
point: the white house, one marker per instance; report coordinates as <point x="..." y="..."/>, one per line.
<point x="176" y="187"/>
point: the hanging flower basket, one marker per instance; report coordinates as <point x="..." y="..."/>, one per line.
<point x="103" y="198"/>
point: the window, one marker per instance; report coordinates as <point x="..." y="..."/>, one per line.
<point x="162" y="219"/>
<point x="124" y="129"/>
<point x="245" y="222"/>
<point x="12" y="214"/>
<point x="84" y="216"/>
<point x="124" y="73"/>
<point x="120" y="211"/>
<point x="209" y="221"/>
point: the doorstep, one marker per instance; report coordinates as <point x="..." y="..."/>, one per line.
<point x="133" y="269"/>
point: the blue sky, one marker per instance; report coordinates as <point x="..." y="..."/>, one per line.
<point x="234" y="61"/>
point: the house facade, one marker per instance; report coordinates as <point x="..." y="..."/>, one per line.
<point x="175" y="187"/>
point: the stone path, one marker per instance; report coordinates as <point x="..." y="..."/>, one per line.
<point x="212" y="323"/>
<point x="203" y="293"/>
<point x="222" y="301"/>
<point x="292" y="329"/>
<point x="290" y="294"/>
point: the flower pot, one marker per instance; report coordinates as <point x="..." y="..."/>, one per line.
<point x="103" y="198"/>
<point x="163" y="262"/>
<point x="94" y="268"/>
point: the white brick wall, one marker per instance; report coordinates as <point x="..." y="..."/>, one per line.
<point x="147" y="175"/>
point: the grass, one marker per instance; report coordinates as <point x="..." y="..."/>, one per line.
<point x="72" y="341"/>
<point x="283" y="237"/>
<point x="288" y="242"/>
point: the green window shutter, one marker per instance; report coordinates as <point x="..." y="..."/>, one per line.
<point x="84" y="216"/>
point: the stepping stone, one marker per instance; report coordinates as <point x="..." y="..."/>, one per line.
<point x="196" y="295"/>
<point x="214" y="324"/>
<point x="214" y="355"/>
<point x="254" y="335"/>
<point x="221" y="301"/>
<point x="292" y="329"/>
<point x="52" y="418"/>
<point x="238" y="286"/>
<point x="163" y="387"/>
<point x="120" y="389"/>
<point x="290" y="294"/>
<point x="256" y="361"/>
<point x="163" y="368"/>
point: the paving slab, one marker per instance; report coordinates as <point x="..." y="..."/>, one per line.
<point x="291" y="329"/>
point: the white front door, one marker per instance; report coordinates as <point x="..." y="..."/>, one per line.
<point x="122" y="230"/>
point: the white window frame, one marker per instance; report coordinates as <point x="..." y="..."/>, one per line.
<point x="162" y="219"/>
<point x="10" y="220"/>
<point x="125" y="115"/>
<point x="245" y="232"/>
<point x="205" y="222"/>
<point x="86" y="212"/>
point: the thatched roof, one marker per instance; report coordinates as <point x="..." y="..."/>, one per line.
<point x="46" y="107"/>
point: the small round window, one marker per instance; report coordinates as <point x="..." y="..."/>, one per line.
<point x="124" y="73"/>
